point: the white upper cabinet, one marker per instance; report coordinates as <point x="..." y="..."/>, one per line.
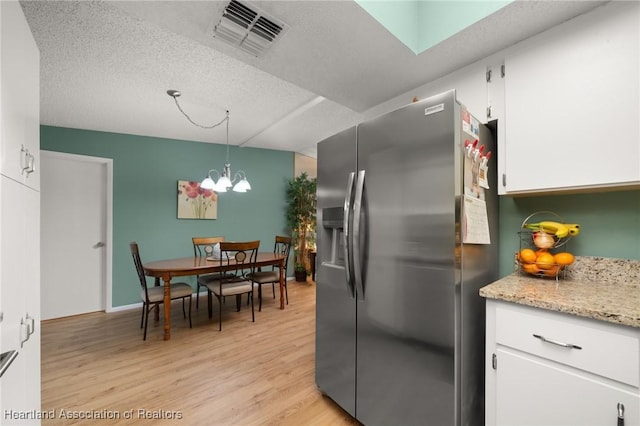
<point x="572" y="105"/>
<point x="20" y="94"/>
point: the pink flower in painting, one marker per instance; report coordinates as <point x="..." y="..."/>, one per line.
<point x="192" y="189"/>
<point x="198" y="198"/>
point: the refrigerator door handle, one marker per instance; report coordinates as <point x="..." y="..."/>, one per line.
<point x="355" y="236"/>
<point x="346" y="232"/>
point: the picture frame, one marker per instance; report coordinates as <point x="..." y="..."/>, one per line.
<point x="195" y="202"/>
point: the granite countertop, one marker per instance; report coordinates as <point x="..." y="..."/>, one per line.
<point x="593" y="287"/>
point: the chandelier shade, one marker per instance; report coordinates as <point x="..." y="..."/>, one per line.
<point x="225" y="181"/>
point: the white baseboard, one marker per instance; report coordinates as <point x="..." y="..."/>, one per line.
<point x="139" y="305"/>
<point x="124" y="307"/>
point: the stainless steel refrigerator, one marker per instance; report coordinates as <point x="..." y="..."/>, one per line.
<point x="406" y="236"/>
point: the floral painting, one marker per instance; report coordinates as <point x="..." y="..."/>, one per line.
<point x="195" y="202"/>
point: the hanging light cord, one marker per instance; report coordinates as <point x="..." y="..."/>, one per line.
<point x="174" y="94"/>
<point x="227" y="119"/>
<point x="226" y="172"/>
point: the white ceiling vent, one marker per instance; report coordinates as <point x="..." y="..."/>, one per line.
<point x="247" y="28"/>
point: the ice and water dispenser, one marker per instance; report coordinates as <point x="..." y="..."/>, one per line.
<point x="333" y="234"/>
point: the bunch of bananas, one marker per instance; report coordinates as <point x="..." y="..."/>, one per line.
<point x="557" y="229"/>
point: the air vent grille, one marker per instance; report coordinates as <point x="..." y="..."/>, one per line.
<point x="247" y="28"/>
<point x="266" y="29"/>
<point x="240" y="14"/>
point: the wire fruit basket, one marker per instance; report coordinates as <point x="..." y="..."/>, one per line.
<point x="543" y="236"/>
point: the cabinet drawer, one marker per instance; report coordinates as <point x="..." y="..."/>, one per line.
<point x="600" y="348"/>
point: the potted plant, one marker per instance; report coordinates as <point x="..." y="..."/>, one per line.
<point x="300" y="272"/>
<point x="301" y="219"/>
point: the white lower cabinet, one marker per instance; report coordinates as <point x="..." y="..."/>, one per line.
<point x="20" y="302"/>
<point x="547" y="368"/>
<point x="532" y="391"/>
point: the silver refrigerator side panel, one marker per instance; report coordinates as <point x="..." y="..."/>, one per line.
<point x="335" y="301"/>
<point x="406" y="316"/>
<point x="479" y="267"/>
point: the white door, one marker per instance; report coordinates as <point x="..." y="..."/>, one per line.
<point x="74" y="191"/>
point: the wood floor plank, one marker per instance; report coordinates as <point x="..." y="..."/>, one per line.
<point x="258" y="373"/>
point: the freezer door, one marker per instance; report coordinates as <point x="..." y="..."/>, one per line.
<point x="406" y="314"/>
<point x="335" y="302"/>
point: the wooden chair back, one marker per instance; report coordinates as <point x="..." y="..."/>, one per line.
<point x="239" y="257"/>
<point x="282" y="245"/>
<point x="135" y="253"/>
<point x="203" y="246"/>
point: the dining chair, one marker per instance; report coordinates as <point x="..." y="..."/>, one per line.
<point x="282" y="246"/>
<point x="205" y="246"/>
<point x="154" y="296"/>
<point x="239" y="261"/>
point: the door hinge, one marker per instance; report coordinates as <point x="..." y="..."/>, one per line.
<point x="488" y="75"/>
<point x="504" y="179"/>
<point x="502" y="70"/>
<point x="494" y="361"/>
<point x="489" y="112"/>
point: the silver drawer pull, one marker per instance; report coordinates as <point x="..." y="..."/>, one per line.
<point x="620" y="414"/>
<point x="557" y="343"/>
<point x="6" y="358"/>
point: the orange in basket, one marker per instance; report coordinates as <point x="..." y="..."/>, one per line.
<point x="527" y="255"/>
<point x="563" y="258"/>
<point x="545" y="260"/>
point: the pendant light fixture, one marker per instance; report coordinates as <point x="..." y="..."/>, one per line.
<point x="239" y="183"/>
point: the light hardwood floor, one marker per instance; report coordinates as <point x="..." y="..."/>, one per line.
<point x="258" y="373"/>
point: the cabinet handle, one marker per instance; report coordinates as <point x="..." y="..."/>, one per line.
<point x="28" y="162"/>
<point x="31" y="327"/>
<point x="32" y="164"/>
<point x="557" y="343"/>
<point x="620" y="414"/>
<point x="24" y="336"/>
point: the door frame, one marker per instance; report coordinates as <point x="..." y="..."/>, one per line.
<point x="108" y="163"/>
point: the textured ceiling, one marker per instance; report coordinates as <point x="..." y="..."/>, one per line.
<point x="107" y="65"/>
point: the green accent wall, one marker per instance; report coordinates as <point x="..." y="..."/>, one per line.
<point x="609" y="223"/>
<point x="145" y="175"/>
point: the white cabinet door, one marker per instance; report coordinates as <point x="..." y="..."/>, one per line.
<point x="532" y="391"/>
<point x="31" y="285"/>
<point x="20" y="300"/>
<point x="572" y="102"/>
<point x="20" y="96"/>
<point x="12" y="224"/>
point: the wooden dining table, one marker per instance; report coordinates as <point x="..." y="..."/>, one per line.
<point x="199" y="265"/>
